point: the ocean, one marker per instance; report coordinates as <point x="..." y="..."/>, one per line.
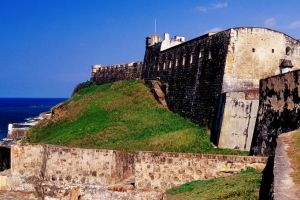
<point x="14" y="110"/>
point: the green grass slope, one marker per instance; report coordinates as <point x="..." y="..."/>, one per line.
<point x="242" y="186"/>
<point x="122" y="116"/>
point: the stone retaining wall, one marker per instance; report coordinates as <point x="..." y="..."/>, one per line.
<point x="66" y="173"/>
<point x="167" y="170"/>
<point x="63" y="165"/>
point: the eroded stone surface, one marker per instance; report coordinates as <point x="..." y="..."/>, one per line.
<point x="68" y="173"/>
<point x="238" y="120"/>
<point x="278" y="113"/>
<point x="167" y="170"/>
<point x="8" y="195"/>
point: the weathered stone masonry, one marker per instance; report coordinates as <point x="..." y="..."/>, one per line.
<point x="194" y="83"/>
<point x="158" y="170"/>
<point x="278" y="113"/>
<point x="205" y="78"/>
<point x="108" y="74"/>
<point x="62" y="172"/>
<point x="208" y="78"/>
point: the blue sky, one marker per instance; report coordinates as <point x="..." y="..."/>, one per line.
<point x="48" y="46"/>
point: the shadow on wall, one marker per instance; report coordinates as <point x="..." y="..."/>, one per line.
<point x="4" y="158"/>
<point x="266" y="184"/>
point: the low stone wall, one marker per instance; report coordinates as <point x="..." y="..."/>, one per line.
<point x="63" y="165"/>
<point x="279" y="103"/>
<point x="69" y="173"/>
<point x="26" y="160"/>
<point x="168" y="170"/>
<point x="16" y="133"/>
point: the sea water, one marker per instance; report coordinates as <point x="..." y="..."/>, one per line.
<point x="16" y="110"/>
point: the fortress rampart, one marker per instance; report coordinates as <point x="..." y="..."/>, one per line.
<point x="108" y="74"/>
<point x="278" y="112"/>
<point x="192" y="73"/>
<point x="209" y="78"/>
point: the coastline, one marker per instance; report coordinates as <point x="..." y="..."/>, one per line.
<point x="17" y="115"/>
<point x="19" y="130"/>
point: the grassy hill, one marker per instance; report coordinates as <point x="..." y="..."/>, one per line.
<point x="122" y="116"/>
<point x="244" y="185"/>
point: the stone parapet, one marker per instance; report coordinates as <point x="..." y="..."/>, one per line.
<point x="112" y="73"/>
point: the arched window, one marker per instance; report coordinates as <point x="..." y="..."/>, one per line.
<point x="288" y="51"/>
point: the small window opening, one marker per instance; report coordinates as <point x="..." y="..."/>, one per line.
<point x="176" y="62"/>
<point x="201" y="54"/>
<point x="191" y="60"/>
<point x="170" y="64"/>
<point x="157" y="67"/>
<point x="164" y="66"/>
<point x="253" y="50"/>
<point x="209" y="55"/>
<point x="183" y="60"/>
<point x="288" y="51"/>
<point x="273" y="50"/>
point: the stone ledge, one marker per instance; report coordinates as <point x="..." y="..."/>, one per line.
<point x="229" y="158"/>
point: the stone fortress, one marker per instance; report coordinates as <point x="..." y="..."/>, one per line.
<point x="241" y="83"/>
<point x="213" y="79"/>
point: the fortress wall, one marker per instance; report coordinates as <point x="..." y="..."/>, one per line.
<point x="63" y="165"/>
<point x="192" y="73"/>
<point x="124" y="166"/>
<point x="26" y="160"/>
<point x="202" y="74"/>
<point x="108" y="74"/>
<point x="63" y="172"/>
<point x="254" y="54"/>
<point x="167" y="170"/>
<point x="238" y="120"/>
<point x="278" y="113"/>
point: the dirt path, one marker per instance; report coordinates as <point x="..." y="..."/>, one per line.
<point x="284" y="186"/>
